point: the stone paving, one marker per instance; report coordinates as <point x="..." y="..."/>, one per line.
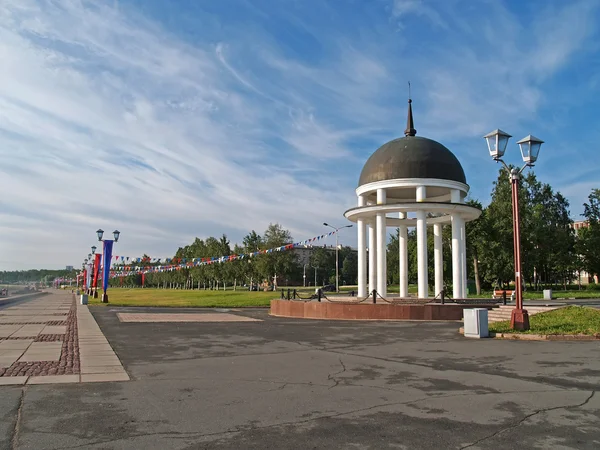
<point x="167" y="317"/>
<point x="52" y="339"/>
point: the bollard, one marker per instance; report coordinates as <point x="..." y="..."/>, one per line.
<point x="282" y="296"/>
<point x="374" y="296"/>
<point x="443" y="295"/>
<point x="319" y="295"/>
<point x="295" y="294"/>
<point x="504" y="297"/>
<point x="288" y="294"/>
<point x="351" y="293"/>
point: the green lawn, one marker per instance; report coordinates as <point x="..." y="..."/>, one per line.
<point x="569" y="320"/>
<point x="556" y="294"/>
<point x="182" y="298"/>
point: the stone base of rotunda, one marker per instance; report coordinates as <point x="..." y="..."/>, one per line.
<point x="368" y="311"/>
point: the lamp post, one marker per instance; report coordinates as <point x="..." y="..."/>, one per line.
<point x="94" y="287"/>
<point x="337" y="248"/>
<point x="304" y="275"/>
<point x="107" y="254"/>
<point x="530" y="149"/>
<point x="89" y="261"/>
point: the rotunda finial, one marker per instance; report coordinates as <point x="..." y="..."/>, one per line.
<point x="410" y="125"/>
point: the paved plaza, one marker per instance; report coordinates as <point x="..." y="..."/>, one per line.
<point x="51" y="339"/>
<point x="295" y="384"/>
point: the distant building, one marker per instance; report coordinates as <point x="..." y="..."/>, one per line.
<point x="69" y="268"/>
<point x="303" y="253"/>
<point x="584" y="277"/>
<point x="579" y="224"/>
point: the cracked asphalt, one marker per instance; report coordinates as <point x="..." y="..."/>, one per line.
<point x="295" y="384"/>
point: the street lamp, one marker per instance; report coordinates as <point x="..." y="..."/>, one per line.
<point x="304" y="275"/>
<point x="93" y="249"/>
<point x="337" y="247"/>
<point x="107" y="255"/>
<point x="530" y="149"/>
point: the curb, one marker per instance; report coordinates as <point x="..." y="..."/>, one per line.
<point x="541" y="337"/>
<point x="16" y="298"/>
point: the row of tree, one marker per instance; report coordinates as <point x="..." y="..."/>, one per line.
<point x="262" y="271"/>
<point x="552" y="251"/>
<point x="34" y="276"/>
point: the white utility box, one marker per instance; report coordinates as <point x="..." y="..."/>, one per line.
<point x="547" y="294"/>
<point x="476" y="323"/>
<point x="84" y="299"/>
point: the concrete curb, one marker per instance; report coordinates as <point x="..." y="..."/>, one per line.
<point x="17" y="298"/>
<point x="541" y="337"/>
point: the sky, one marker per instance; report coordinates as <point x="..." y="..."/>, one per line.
<point x="174" y="119"/>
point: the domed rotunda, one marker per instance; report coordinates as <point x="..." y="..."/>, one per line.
<point x="411" y="182"/>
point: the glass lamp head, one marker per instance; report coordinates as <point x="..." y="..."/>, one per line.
<point x="100" y="233"/>
<point x="496" y="141"/>
<point x="93" y="249"/>
<point x="116" y="235"/>
<point x="530" y="149"/>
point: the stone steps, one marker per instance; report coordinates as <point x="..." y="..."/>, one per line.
<point x="504" y="312"/>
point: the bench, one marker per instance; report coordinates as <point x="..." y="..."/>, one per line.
<point x="499" y="293"/>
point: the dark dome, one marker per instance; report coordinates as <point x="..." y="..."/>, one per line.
<point x="412" y="157"/>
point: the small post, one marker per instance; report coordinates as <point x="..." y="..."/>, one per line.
<point x="443" y="296"/>
<point x="319" y="295"/>
<point x="374" y="296"/>
<point x="504" y="297"/>
<point x="282" y="296"/>
<point x="288" y="294"/>
<point x="294" y="294"/>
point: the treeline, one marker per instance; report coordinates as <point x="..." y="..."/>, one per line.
<point x="264" y="270"/>
<point x="552" y="253"/>
<point x="34" y="276"/>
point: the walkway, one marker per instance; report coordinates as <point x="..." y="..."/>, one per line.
<point x="51" y="339"/>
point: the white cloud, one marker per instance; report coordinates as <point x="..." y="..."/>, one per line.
<point x="109" y="120"/>
<point x="403" y="8"/>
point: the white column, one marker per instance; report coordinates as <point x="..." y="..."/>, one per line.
<point x="372" y="257"/>
<point x="438" y="258"/>
<point x="457" y="225"/>
<point x="381" y="246"/>
<point x="423" y="288"/>
<point x="362" y="252"/>
<point x="403" y="256"/>
<point x="463" y="258"/>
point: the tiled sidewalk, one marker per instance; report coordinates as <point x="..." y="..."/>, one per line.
<point x="51" y="339"/>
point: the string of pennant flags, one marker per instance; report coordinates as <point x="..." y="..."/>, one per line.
<point x="126" y="265"/>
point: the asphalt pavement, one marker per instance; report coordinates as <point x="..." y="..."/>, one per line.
<point x="296" y="384"/>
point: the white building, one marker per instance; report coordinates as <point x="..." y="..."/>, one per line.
<point x="411" y="182"/>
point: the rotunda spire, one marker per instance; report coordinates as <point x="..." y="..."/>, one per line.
<point x="410" y="125"/>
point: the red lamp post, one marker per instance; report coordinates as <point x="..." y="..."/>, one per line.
<point x="530" y="149"/>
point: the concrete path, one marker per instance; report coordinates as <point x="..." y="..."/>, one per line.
<point x="50" y="339"/>
<point x="302" y="384"/>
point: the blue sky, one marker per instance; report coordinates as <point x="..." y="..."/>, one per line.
<point x="170" y="120"/>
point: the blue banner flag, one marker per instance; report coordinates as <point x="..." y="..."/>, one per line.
<point x="106" y="257"/>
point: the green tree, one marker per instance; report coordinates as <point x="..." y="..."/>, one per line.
<point x="349" y="270"/>
<point x="588" y="239"/>
<point x="278" y="263"/>
<point x="323" y="261"/>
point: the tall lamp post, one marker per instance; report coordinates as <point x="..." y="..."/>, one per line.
<point x="337" y="248"/>
<point x="304" y="275"/>
<point x="90" y="262"/>
<point x="107" y="255"/>
<point x="95" y="269"/>
<point x="530" y="149"/>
